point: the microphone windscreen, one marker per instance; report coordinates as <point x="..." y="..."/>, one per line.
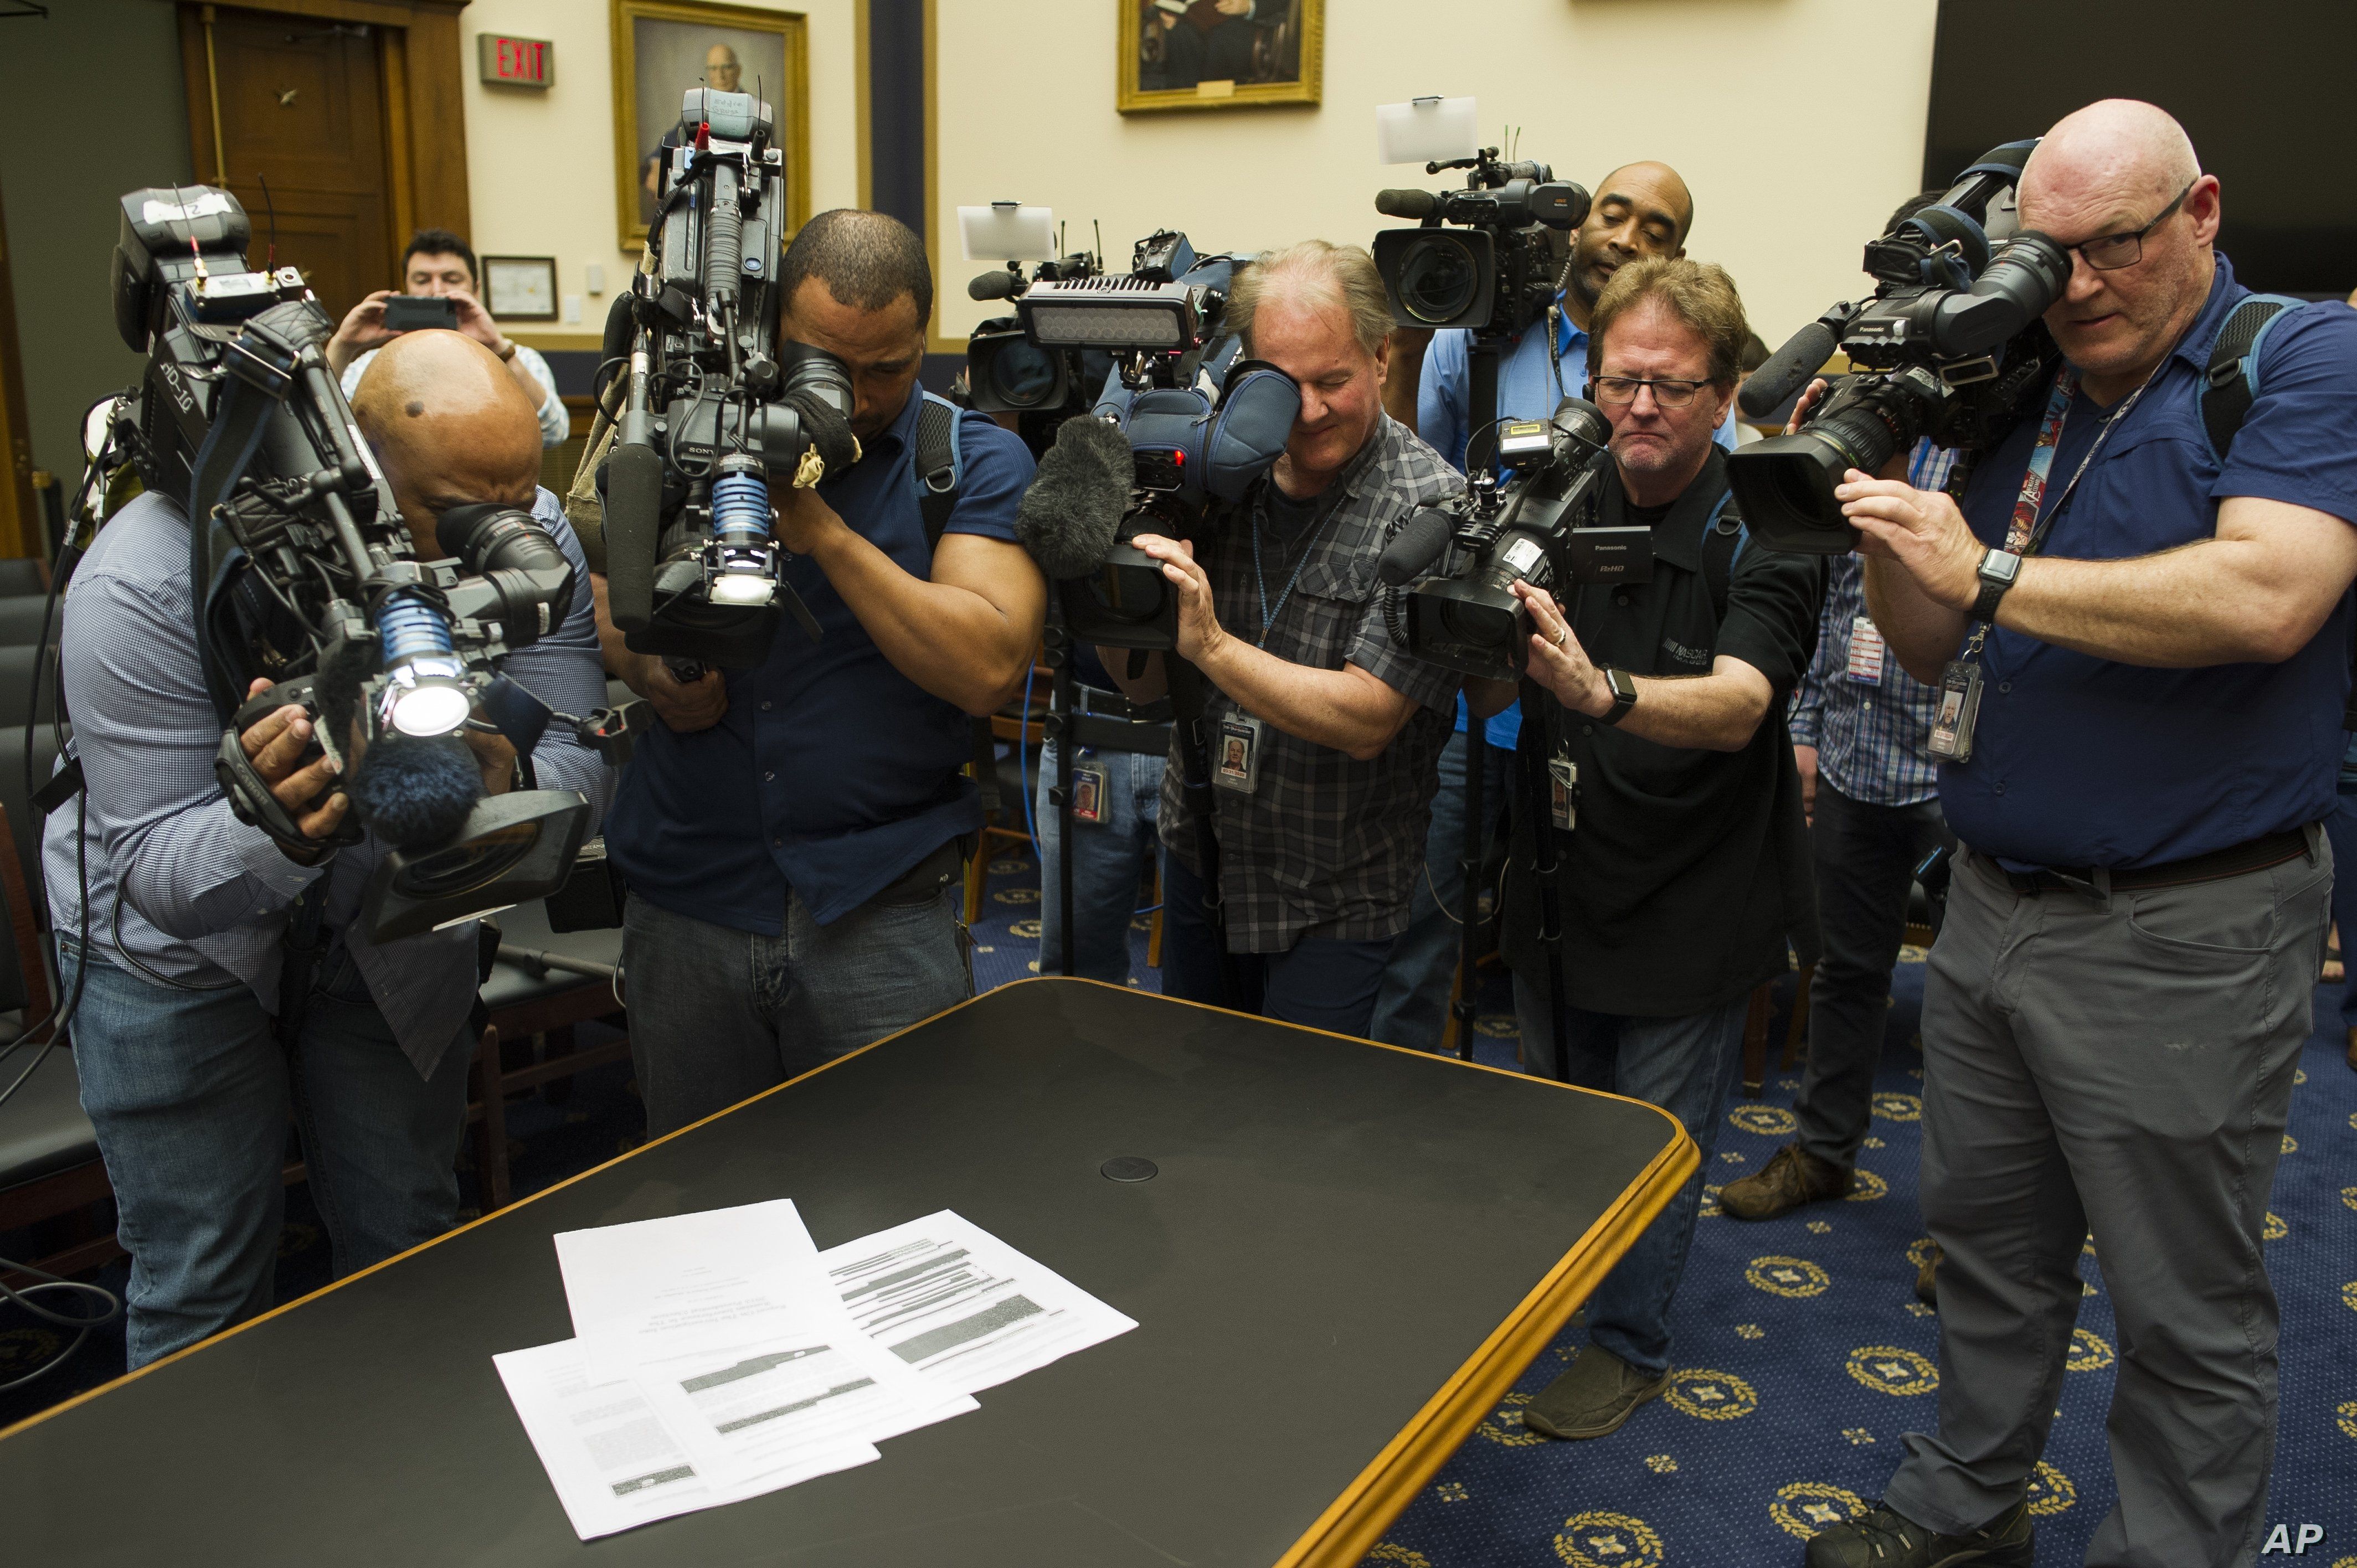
<point x="621" y="328"/>
<point x="1071" y="514"/>
<point x="992" y="285"/>
<point x="415" y="791"/>
<point x="1420" y="542"/>
<point x="633" y="523"/>
<point x="1788" y="370"/>
<point x="1418" y="204"/>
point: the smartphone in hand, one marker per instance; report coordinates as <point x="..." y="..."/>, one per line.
<point x="411" y="312"/>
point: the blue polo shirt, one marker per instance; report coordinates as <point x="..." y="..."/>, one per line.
<point x="1530" y="386"/>
<point x="832" y="774"/>
<point x="2082" y="762"/>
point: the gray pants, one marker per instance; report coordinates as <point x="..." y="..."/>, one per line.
<point x="1866" y="858"/>
<point x="717" y="1015"/>
<point x="2123" y="1065"/>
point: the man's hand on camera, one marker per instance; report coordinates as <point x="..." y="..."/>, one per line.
<point x="804" y="522"/>
<point x="1556" y="660"/>
<point x="1919" y="530"/>
<point x="1200" y="632"/>
<point x="363" y="328"/>
<point x="476" y="322"/>
<point x="685" y="705"/>
<point x="275" y="745"/>
<point x="495" y="754"/>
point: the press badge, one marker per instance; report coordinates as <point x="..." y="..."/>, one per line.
<point x="1866" y="651"/>
<point x="1563" y="791"/>
<point x="1088" y="791"/>
<point x="1959" y="709"/>
<point x="1237" y="766"/>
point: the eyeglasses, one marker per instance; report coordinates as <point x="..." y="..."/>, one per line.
<point x="1623" y="389"/>
<point x="2110" y="253"/>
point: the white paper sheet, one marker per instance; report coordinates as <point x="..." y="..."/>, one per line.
<point x="610" y="1458"/>
<point x="961" y="1307"/>
<point x="729" y="1328"/>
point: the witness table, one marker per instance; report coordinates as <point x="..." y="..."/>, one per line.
<point x="1348" y="1253"/>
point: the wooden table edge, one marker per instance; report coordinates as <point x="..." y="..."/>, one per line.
<point x="1354" y="1521"/>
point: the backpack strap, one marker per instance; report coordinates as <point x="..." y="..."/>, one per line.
<point x="939" y="465"/>
<point x="2231" y="383"/>
<point x="1723" y="535"/>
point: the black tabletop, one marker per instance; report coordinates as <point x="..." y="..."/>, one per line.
<point x="1347" y="1253"/>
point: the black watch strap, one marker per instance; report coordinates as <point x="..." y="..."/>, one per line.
<point x="1624" y="695"/>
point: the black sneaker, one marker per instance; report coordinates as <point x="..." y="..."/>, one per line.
<point x="1884" y="1538"/>
<point x="1594" y="1396"/>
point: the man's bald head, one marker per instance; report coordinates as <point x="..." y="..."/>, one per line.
<point x="1664" y="184"/>
<point x="1639" y="209"/>
<point x="449" y="425"/>
<point x="2114" y="169"/>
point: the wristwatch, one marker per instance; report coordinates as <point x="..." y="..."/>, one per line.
<point x="1997" y="570"/>
<point x="511" y="346"/>
<point x="1624" y="695"/>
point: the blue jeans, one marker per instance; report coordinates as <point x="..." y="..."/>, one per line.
<point x="1106" y="859"/>
<point x="1322" y="982"/>
<point x="1686" y="1066"/>
<point x="1412" y="1003"/>
<point x="717" y="1014"/>
<point x="2341" y="827"/>
<point x="189" y="1091"/>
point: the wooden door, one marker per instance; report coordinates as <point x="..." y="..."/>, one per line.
<point x="301" y="106"/>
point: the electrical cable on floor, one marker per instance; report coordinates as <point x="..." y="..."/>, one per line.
<point x="84" y="1325"/>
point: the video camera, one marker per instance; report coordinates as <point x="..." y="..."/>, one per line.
<point x="1162" y="450"/>
<point x="1492" y="535"/>
<point x="1007" y="373"/>
<point x="1955" y="348"/>
<point x="717" y="401"/>
<point x="305" y="576"/>
<point x="1499" y="270"/>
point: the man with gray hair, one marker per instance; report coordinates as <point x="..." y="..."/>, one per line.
<point x="2137" y="607"/>
<point x="1323" y="731"/>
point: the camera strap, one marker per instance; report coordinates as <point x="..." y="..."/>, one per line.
<point x="937" y="468"/>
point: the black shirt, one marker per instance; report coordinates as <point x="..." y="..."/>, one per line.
<point x="1688" y="870"/>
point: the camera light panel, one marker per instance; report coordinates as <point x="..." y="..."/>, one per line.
<point x="1008" y="231"/>
<point x="1427" y="130"/>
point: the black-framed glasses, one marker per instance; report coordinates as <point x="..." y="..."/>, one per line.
<point x="2110" y="253"/>
<point x="1668" y="394"/>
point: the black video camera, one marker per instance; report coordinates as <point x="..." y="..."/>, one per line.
<point x="717" y="401"/>
<point x="1954" y="349"/>
<point x="305" y="574"/>
<point x="1497" y="271"/>
<point x="1007" y="373"/>
<point x="1465" y="615"/>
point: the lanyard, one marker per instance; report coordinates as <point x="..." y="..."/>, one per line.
<point x="2026" y="532"/>
<point x="1308" y="544"/>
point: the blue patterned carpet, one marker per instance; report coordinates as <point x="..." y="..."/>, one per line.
<point x="1802" y="1355"/>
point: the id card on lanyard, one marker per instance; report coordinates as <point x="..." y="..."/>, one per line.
<point x="1960" y="681"/>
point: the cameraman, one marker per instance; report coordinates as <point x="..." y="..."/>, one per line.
<point x="1683" y="862"/>
<point x="1323" y="731"/>
<point x="1640" y="210"/>
<point x="194" y="919"/>
<point x="790" y="834"/>
<point x="440" y="265"/>
<point x="2122" y="985"/>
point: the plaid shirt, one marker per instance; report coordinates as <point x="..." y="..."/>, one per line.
<point x="1326" y="847"/>
<point x="1871" y="735"/>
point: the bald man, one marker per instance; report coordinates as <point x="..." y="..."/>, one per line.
<point x="2118" y="1002"/>
<point x="721" y="72"/>
<point x="185" y="1070"/>
<point x="1640" y="210"/>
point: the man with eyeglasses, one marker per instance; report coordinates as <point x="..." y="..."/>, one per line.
<point x="1640" y="210"/>
<point x="1653" y="710"/>
<point x="2159" y="636"/>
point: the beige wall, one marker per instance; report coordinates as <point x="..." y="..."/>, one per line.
<point x="540" y="163"/>
<point x="1794" y="157"/>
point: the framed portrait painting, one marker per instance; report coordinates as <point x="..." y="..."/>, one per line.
<point x="664" y="47"/>
<point x="1220" y="54"/>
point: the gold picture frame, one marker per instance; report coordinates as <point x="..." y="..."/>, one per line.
<point x="1209" y="54"/>
<point x="660" y="47"/>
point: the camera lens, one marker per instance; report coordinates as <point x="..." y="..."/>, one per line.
<point x="1785" y="484"/>
<point x="816" y="370"/>
<point x="1439" y="279"/>
<point x="1022" y="374"/>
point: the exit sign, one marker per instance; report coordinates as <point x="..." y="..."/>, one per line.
<point x="517" y="62"/>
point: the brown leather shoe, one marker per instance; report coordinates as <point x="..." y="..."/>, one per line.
<point x="1927" y="1277"/>
<point x="1792" y="1177"/>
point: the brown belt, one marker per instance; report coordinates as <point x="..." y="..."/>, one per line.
<point x="2234" y="860"/>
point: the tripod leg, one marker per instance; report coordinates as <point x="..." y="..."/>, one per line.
<point x="1468" y="868"/>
